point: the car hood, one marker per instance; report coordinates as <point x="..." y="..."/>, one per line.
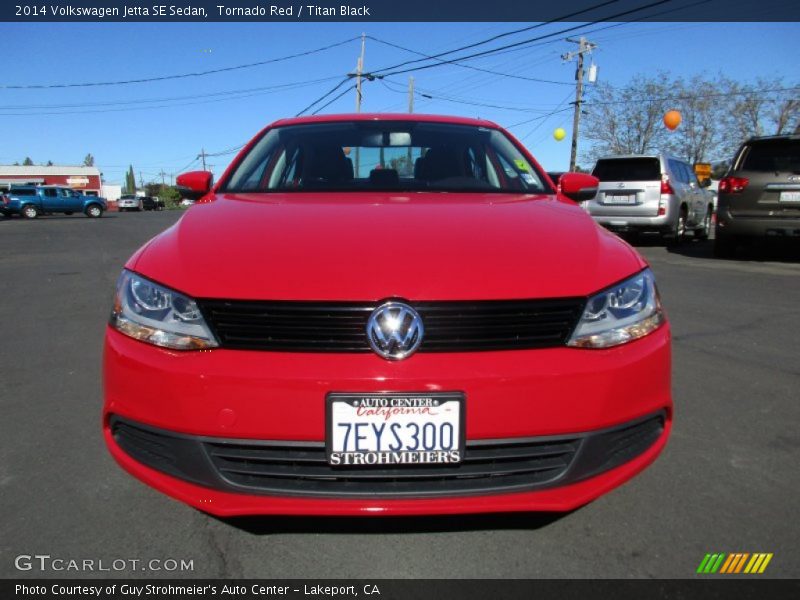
<point x="356" y="246"/>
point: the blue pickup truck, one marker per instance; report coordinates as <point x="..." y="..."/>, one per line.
<point x="30" y="201"/>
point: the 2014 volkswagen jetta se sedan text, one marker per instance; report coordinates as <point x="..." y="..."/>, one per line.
<point x="386" y="314"/>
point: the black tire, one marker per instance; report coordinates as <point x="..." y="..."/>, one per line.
<point x="29" y="211"/>
<point x="94" y="211"/>
<point x="724" y="246"/>
<point x="678" y="233"/>
<point x="705" y="228"/>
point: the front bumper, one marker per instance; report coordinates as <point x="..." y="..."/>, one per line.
<point x="181" y="404"/>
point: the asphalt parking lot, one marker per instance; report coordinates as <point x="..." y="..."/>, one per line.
<point x="727" y="482"/>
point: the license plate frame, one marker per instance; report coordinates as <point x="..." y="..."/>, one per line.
<point x="338" y="404"/>
<point x="789" y="196"/>
<point x="620" y="199"/>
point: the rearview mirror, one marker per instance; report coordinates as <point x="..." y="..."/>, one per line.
<point x="578" y="186"/>
<point x="195" y="184"/>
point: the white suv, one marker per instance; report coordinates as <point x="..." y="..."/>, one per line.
<point x="655" y="193"/>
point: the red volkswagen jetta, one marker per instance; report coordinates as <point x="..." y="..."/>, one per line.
<point x="386" y="314"/>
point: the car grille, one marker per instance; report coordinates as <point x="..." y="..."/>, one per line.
<point x="341" y="327"/>
<point x="485" y="467"/>
<point x="301" y="468"/>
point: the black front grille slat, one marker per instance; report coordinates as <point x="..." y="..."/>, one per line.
<point x="268" y="466"/>
<point x="284" y="470"/>
<point x="457" y="326"/>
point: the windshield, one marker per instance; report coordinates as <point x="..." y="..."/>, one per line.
<point x="384" y="155"/>
<point x="628" y="169"/>
<point x="773" y="156"/>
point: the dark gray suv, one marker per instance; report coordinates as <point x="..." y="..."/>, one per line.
<point x="760" y="195"/>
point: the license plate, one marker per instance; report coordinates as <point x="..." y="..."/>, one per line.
<point x="394" y="429"/>
<point x="790" y="197"/>
<point x="621" y="199"/>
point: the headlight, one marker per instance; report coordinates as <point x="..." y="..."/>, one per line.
<point x="620" y="314"/>
<point x="157" y="315"/>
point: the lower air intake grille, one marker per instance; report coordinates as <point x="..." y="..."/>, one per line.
<point x="486" y="467"/>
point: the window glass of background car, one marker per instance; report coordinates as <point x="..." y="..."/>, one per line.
<point x="772" y="156"/>
<point x="691" y="175"/>
<point x="628" y="169"/>
<point x="22" y="191"/>
<point x="50" y="193"/>
<point x="678" y="171"/>
<point x="394" y="155"/>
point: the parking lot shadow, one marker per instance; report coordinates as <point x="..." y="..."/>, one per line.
<point x="767" y="250"/>
<point x="384" y="525"/>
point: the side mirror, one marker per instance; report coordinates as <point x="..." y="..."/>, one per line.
<point x="579" y="186"/>
<point x="195" y="184"/>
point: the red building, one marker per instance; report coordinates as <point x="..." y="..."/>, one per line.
<point x="84" y="179"/>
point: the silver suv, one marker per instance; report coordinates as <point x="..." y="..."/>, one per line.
<point x="655" y="193"/>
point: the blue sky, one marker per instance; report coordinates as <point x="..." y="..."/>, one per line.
<point x="156" y="131"/>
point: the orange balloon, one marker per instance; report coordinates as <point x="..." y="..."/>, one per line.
<point x="672" y="119"/>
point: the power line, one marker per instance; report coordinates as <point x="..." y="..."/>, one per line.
<point x="333" y="99"/>
<point x="325" y="95"/>
<point x="516" y="44"/>
<point x="695" y="96"/>
<point x="181" y="75"/>
<point x="471" y="67"/>
<point x="433" y="96"/>
<point x="172" y="98"/>
<point x="497" y="37"/>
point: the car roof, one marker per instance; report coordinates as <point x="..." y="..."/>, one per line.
<point x="622" y="156"/>
<point x="785" y="136"/>
<point x="410" y="117"/>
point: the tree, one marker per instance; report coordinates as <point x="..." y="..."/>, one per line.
<point x="703" y="134"/>
<point x="49" y="163"/>
<point x="130" y="181"/>
<point x="27" y="162"/>
<point x="88" y="160"/>
<point x="718" y="114"/>
<point x="626" y="120"/>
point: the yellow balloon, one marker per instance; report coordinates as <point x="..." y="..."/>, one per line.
<point x="559" y="134"/>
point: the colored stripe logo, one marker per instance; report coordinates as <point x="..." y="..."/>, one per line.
<point x="736" y="562"/>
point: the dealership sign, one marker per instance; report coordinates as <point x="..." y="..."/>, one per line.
<point x="78" y="181"/>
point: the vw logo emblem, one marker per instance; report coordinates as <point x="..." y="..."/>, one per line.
<point x="394" y="330"/>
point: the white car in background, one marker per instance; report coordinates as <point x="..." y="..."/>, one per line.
<point x="129" y="202"/>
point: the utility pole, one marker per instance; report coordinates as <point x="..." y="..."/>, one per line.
<point x="359" y="71"/>
<point x="584" y="47"/>
<point x="410" y="110"/>
<point x="141" y="180"/>
<point x="162" y="177"/>
<point x="202" y="155"/>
